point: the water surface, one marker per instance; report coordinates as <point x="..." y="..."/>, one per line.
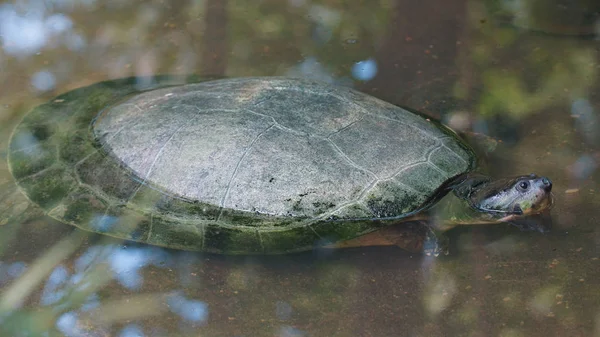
<point x="522" y="72"/>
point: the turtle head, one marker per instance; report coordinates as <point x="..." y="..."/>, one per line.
<point x="517" y="196"/>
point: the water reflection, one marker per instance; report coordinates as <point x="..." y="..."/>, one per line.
<point x="124" y="262"/>
<point x="190" y="310"/>
<point x="43" y="81"/>
<point x="30" y="26"/>
<point x="586" y="120"/>
<point x="365" y="70"/>
<point x="103" y="223"/>
<point x="11" y="271"/>
<point x="288" y="331"/>
<point x="584" y="167"/>
<point x="51" y="293"/>
<point x="480" y="66"/>
<point x="312" y="68"/>
<point x="67" y="323"/>
<point x="131" y="330"/>
<point x="204" y="290"/>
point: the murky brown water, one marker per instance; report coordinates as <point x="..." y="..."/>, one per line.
<point x="522" y="72"/>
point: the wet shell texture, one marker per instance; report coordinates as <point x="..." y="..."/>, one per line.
<point x="248" y="165"/>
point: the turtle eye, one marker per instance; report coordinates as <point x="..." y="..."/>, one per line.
<point x="523" y="185"/>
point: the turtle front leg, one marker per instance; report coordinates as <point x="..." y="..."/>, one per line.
<point x="416" y="237"/>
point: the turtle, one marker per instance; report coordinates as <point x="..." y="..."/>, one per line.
<point x="256" y="165"/>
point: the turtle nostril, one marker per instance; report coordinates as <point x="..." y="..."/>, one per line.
<point x="547" y="183"/>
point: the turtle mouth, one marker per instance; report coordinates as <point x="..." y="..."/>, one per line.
<point x="543" y="204"/>
<point x="547" y="202"/>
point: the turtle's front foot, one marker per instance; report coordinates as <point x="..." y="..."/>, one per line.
<point x="416" y="237"/>
<point x="435" y="245"/>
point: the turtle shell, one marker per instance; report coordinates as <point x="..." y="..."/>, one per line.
<point x="246" y="165"/>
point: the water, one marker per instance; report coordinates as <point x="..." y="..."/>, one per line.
<point x="524" y="72"/>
